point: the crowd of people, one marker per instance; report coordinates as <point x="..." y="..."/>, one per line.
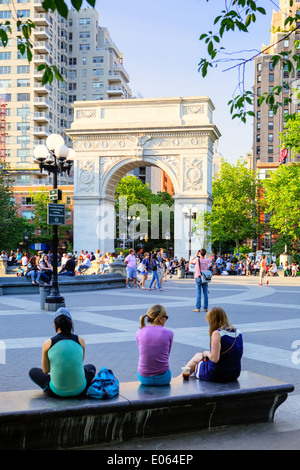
<point x="229" y="265"/>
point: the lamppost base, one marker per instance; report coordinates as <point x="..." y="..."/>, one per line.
<point x="53" y="306"/>
<point x="54" y="302"/>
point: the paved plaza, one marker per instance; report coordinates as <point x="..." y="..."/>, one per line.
<point x="268" y="316"/>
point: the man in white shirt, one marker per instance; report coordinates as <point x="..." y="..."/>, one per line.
<point x="85" y="265"/>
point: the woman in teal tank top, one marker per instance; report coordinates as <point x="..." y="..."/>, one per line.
<point x="63" y="373"/>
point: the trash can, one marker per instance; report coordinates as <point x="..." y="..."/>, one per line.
<point x="44" y="292"/>
<point x="181" y="272"/>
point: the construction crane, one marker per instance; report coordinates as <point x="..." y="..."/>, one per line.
<point x="2" y="132"/>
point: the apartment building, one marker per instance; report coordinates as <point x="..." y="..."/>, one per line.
<point x="267" y="125"/>
<point x="92" y="69"/>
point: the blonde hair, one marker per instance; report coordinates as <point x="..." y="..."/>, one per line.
<point x="217" y="318"/>
<point x="154" y="315"/>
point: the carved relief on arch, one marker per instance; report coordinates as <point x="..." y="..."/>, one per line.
<point x="172" y="161"/>
<point x="86" y="176"/>
<point x="107" y="163"/>
<point x="193" y="174"/>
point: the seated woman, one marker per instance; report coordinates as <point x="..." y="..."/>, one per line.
<point x="223" y="362"/>
<point x="33" y="271"/>
<point x="154" y="343"/>
<point x="46" y="267"/>
<point x="63" y="373"/>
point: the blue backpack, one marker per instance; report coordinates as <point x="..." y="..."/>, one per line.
<point x="104" y="385"/>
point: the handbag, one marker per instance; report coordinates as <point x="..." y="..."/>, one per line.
<point x="141" y="268"/>
<point x="205" y="275"/>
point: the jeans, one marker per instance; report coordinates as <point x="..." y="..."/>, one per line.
<point x="155" y="276"/>
<point x="201" y="286"/>
<point x="67" y="273"/>
<point x="161" y="379"/>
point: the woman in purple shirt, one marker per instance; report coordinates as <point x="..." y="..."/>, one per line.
<point x="154" y="343"/>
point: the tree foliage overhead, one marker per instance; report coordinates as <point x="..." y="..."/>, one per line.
<point x="239" y="16"/>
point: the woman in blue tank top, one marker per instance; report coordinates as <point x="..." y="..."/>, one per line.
<point x="63" y="373"/>
<point x="223" y="362"/>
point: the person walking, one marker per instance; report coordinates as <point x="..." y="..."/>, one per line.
<point x="263" y="270"/>
<point x="202" y="263"/>
<point x="130" y="262"/>
<point x="154" y="264"/>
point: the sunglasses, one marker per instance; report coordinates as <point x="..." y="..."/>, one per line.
<point x="166" y="317"/>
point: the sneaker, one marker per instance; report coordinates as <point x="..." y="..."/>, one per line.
<point x="128" y="287"/>
<point x="267" y="282"/>
<point x="205" y="310"/>
<point x="260" y="284"/>
<point x="161" y="289"/>
<point x="196" y="310"/>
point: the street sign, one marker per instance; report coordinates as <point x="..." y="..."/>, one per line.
<point x="55" y="194"/>
<point x="56" y="214"/>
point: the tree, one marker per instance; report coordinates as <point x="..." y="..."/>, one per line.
<point x="290" y="137"/>
<point x="234" y="216"/>
<point x="40" y="199"/>
<point x="133" y="198"/>
<point x="282" y="194"/>
<point x="12" y="226"/>
<point x="240" y="15"/>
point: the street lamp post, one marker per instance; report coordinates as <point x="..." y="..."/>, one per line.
<point x="133" y="218"/>
<point x="54" y="157"/>
<point x="190" y="214"/>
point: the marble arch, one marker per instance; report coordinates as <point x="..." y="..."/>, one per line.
<point x="112" y="137"/>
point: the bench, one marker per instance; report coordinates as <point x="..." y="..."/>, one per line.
<point x="31" y="420"/>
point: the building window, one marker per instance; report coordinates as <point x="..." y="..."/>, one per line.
<point x="271" y="77"/>
<point x="258" y="150"/>
<point x="26" y="201"/>
<point x="84" y="47"/>
<point x="271" y="113"/>
<point x="5" y="55"/>
<point x="270" y="148"/>
<point x="98" y="60"/>
<point x="258" y="138"/>
<point x="23" y="82"/>
<point x="258" y="114"/>
<point x="271" y="66"/>
<point x="5" y="69"/>
<point x="84" y="21"/>
<point x="259" y="67"/>
<point x="23" y="96"/>
<point x="97" y="72"/>
<point x="270" y="137"/>
<point x="23" y="69"/>
<point x="23" y="13"/>
<point x="270" y="125"/>
<point x="258" y="78"/>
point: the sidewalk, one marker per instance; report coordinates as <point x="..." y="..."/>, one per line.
<point x="268" y="316"/>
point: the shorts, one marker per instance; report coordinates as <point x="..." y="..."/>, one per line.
<point x="131" y="272"/>
<point x="161" y="379"/>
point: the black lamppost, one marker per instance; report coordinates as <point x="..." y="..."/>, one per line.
<point x="53" y="157"/>
<point x="190" y="213"/>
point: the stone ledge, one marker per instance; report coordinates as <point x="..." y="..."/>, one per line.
<point x="22" y="285"/>
<point x="31" y="420"/>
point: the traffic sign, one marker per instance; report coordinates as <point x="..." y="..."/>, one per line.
<point x="56" y="214"/>
<point x="55" y="194"/>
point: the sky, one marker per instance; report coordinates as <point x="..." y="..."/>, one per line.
<point x="161" y="50"/>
